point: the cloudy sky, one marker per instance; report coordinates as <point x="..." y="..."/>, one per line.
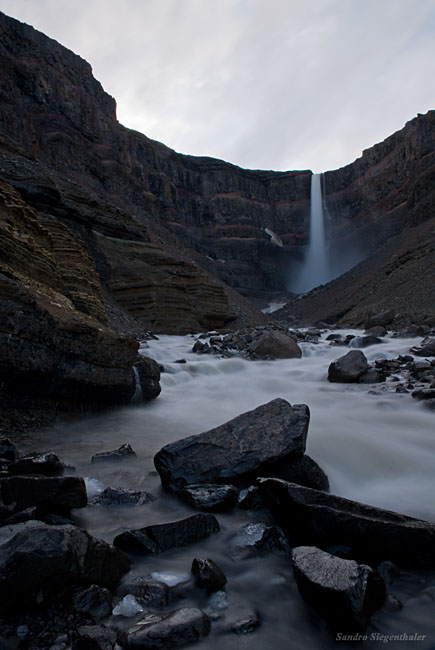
<point x="265" y="84"/>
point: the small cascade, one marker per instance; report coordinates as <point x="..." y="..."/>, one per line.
<point x="137" y="396"/>
<point x="315" y="269"/>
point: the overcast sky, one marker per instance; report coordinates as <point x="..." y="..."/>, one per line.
<point x="265" y="84"/>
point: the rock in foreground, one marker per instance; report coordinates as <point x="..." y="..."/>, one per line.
<point x="62" y="493"/>
<point x="370" y="534"/>
<point x="37" y="561"/>
<point x="186" y="625"/>
<point x="240" y="449"/>
<point x="162" y="537"/>
<point x="343" y="592"/>
<point x="349" y="368"/>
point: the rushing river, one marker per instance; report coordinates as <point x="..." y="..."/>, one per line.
<point x="375" y="445"/>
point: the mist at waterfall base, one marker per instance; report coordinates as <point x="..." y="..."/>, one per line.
<point x="324" y="260"/>
<point x="376" y="446"/>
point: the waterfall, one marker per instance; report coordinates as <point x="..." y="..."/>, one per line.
<point x="137" y="397"/>
<point x="315" y="269"/>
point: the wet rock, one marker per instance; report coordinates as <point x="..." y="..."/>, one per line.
<point x="150" y="593"/>
<point x="29" y="514"/>
<point x="371" y="376"/>
<point x="124" y="451"/>
<point x="93" y="637"/>
<point x="246" y="625"/>
<point x="250" y="499"/>
<point x="240" y="449"/>
<point x="388" y="572"/>
<point x="8" y="450"/>
<point x="47" y="464"/>
<point x="38" y="561"/>
<point x="162" y="537"/>
<point x="274" y="344"/>
<point x="149" y="377"/>
<point x="262" y="537"/>
<point x="365" y="341"/>
<point x="183" y="626"/>
<point x="423" y="393"/>
<point x="414" y="330"/>
<point x="202" y="348"/>
<point x="426" y="349"/>
<point x="343" y="592"/>
<point x="325" y="520"/>
<point x="207" y="574"/>
<point x="302" y="470"/>
<point x="349" y="368"/>
<point x="94" y="601"/>
<point x="209" y="497"/>
<point x="113" y="496"/>
<point x="62" y="493"/>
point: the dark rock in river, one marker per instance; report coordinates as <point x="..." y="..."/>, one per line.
<point x="349" y="368"/>
<point x="262" y="537"/>
<point x="62" y="493"/>
<point x="424" y="393"/>
<point x="113" y="496"/>
<point x="150" y="593"/>
<point x="149" y="377"/>
<point x="94" y="601"/>
<point x="274" y="344"/>
<point x="209" y="497"/>
<point x="161" y="537"/>
<point x="93" y="637"/>
<point x="37" y="561"/>
<point x="343" y="592"/>
<point x="427" y="348"/>
<point x="239" y="449"/>
<point x="124" y="451"/>
<point x="246" y="625"/>
<point x="207" y="574"/>
<point x="183" y="626"/>
<point x="371" y="376"/>
<point x="371" y="534"/>
<point x="47" y="464"/>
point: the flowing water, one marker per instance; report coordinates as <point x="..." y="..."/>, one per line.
<point x="376" y="446"/>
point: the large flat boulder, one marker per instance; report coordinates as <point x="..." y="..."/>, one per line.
<point x="274" y="344"/>
<point x="242" y="448"/>
<point x="181" y="627"/>
<point x="62" y="493"/>
<point x="162" y="537"/>
<point x="343" y="592"/>
<point x="370" y="534"/>
<point x="37" y="561"/>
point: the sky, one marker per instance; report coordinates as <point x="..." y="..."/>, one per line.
<point x="264" y="84"/>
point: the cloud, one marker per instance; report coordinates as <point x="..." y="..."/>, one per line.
<point x="277" y="85"/>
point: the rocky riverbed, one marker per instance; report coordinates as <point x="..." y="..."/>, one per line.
<point x="212" y="558"/>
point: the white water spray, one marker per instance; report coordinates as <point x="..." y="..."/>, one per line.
<point x="315" y="270"/>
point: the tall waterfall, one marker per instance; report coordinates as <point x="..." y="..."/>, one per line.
<point x="315" y="269"/>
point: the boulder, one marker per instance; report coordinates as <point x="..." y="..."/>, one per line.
<point x="61" y="493"/>
<point x="207" y="574"/>
<point x="238" y="450"/>
<point x="47" y="464"/>
<point x="161" y="537"/>
<point x="274" y="344"/>
<point x="378" y="330"/>
<point x="369" y="534"/>
<point x="250" y="499"/>
<point x="93" y="637"/>
<point x="426" y="349"/>
<point x="209" y="497"/>
<point x="423" y="393"/>
<point x="113" y="496"/>
<point x="262" y="537"/>
<point x="382" y="319"/>
<point x="94" y="601"/>
<point x="371" y="376"/>
<point x="183" y="626"/>
<point x="342" y="592"/>
<point x="124" y="451"/>
<point x="349" y="368"/>
<point x="38" y="561"/>
<point x="150" y="593"/>
<point x="149" y="377"/>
